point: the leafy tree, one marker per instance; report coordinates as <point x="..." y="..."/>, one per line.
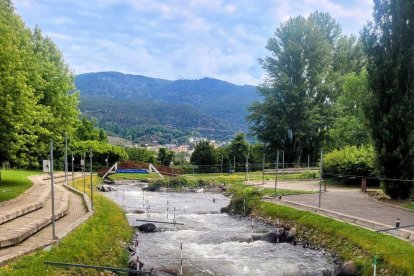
<point x="297" y="96"/>
<point x="141" y="154"/>
<point x="86" y="130"/>
<point x="389" y="45"/>
<point x="100" y="150"/>
<point x="349" y="127"/>
<point x="256" y="152"/>
<point x="20" y="117"/>
<point x="165" y="156"/>
<point x="238" y="148"/>
<point x="204" y="154"/>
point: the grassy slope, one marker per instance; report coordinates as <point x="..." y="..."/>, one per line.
<point x="256" y="176"/>
<point x="351" y="242"/>
<point x="99" y="241"/>
<point x="14" y="183"/>
<point x="409" y="205"/>
<point x="133" y="176"/>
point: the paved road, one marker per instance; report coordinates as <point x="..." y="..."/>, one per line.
<point x="44" y="236"/>
<point x="348" y="201"/>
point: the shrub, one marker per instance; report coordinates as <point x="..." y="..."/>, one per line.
<point x="350" y="161"/>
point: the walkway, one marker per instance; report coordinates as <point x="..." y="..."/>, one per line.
<point x="30" y="217"/>
<point x="347" y="204"/>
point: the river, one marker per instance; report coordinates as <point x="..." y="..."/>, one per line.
<point x="212" y="243"/>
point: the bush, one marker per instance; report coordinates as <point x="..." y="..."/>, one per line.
<point x="350" y="161"/>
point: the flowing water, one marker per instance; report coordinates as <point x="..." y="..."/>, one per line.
<point x="212" y="243"/>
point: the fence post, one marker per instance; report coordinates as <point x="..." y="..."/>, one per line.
<point x="52" y="186"/>
<point x="276" y="170"/>
<point x="90" y="158"/>
<point x="264" y="156"/>
<point x="320" y="179"/>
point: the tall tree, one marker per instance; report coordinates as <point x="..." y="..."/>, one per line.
<point x="37" y="100"/>
<point x="350" y="126"/>
<point x="389" y="45"/>
<point x="20" y="115"/>
<point x="238" y="149"/>
<point x="165" y="156"/>
<point x="298" y="93"/>
<point x="204" y="154"/>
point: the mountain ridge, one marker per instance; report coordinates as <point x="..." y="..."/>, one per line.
<point x="123" y="102"/>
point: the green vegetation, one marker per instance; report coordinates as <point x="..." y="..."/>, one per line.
<point x="204" y="154"/>
<point x="165" y="156"/>
<point x="308" y="57"/>
<point x="349" y="127"/>
<point x="134" y="176"/>
<point x="99" y="241"/>
<point x="254" y="176"/>
<point x="14" y="183"/>
<point x="101" y="152"/>
<point x="141" y="155"/>
<point x="214" y="180"/>
<point x="409" y="205"/>
<point x="350" y="160"/>
<point x="349" y="241"/>
<point x="145" y="109"/>
<point x="388" y="45"/>
<point x="38" y="99"/>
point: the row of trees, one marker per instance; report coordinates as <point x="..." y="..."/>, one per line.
<point x="38" y="101"/>
<point x="325" y="90"/>
<point x="236" y="152"/>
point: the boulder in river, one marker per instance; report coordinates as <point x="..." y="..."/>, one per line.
<point x="278" y="235"/>
<point x="147" y="227"/>
<point x="105" y="188"/>
<point x="161" y="272"/>
<point x="348" y="268"/>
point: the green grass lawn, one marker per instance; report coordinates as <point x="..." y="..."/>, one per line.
<point x="14" y="183"/>
<point x="134" y="176"/>
<point x="253" y="176"/>
<point x="285" y="192"/>
<point x="409" y="205"/>
<point x="349" y="241"/>
<point x="99" y="241"/>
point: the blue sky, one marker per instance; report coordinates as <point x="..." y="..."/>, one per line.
<point x="176" y="39"/>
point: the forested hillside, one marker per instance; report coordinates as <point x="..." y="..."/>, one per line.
<point x="144" y="109"/>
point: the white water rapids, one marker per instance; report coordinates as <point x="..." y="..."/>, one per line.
<point x="213" y="243"/>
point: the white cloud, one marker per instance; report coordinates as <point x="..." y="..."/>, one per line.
<point x="174" y="38"/>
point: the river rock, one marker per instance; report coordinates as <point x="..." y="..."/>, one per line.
<point x="348" y="268"/>
<point x="108" y="181"/>
<point x="161" y="272"/>
<point x="147" y="227"/>
<point x="134" y="264"/>
<point x="290" y="235"/>
<point x="138" y="211"/>
<point x="105" y="188"/>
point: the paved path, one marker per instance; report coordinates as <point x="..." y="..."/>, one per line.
<point x="347" y="204"/>
<point x="75" y="214"/>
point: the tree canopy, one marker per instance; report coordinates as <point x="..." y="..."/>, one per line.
<point x="204" y="154"/>
<point x="389" y="45"/>
<point x="38" y="100"/>
<point x="308" y="58"/>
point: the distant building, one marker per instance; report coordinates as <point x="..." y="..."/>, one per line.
<point x="182" y="148"/>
